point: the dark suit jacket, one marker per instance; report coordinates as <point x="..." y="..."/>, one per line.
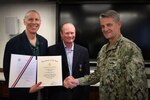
<point x="80" y="68"/>
<point x="20" y="45"/>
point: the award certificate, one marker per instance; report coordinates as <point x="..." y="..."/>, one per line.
<point x="49" y="70"/>
<point x="22" y="71"/>
<point x="25" y="71"/>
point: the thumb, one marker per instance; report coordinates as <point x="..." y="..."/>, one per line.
<point x="38" y="84"/>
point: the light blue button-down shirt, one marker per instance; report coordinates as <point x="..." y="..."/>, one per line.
<point x="69" y="53"/>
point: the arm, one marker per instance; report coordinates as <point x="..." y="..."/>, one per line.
<point x="6" y="61"/>
<point x="136" y="80"/>
<point x="94" y="77"/>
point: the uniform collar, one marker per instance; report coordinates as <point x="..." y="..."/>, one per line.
<point x="115" y="45"/>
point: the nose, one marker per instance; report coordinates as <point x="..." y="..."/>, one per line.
<point x="105" y="28"/>
<point x="34" y="21"/>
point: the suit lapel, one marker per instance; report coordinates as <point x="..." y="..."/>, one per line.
<point x="25" y="43"/>
<point x="63" y="53"/>
<point x="64" y="59"/>
<point x="41" y="45"/>
<point x="75" y="58"/>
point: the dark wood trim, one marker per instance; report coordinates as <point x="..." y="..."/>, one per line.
<point x="148" y="76"/>
<point x="1" y="69"/>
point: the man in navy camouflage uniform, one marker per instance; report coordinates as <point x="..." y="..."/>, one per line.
<point x="120" y="65"/>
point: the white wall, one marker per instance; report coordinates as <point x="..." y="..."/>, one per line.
<point x="47" y="11"/>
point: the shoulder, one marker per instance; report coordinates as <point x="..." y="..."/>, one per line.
<point x="128" y="45"/>
<point x="40" y="37"/>
<point x="129" y="49"/>
<point x="77" y="46"/>
<point x="57" y="47"/>
<point x="103" y="49"/>
<point x="52" y="46"/>
<point x="17" y="39"/>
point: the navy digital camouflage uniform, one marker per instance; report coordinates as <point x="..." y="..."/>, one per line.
<point x="120" y="71"/>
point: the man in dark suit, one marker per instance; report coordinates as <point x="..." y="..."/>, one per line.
<point x="26" y="43"/>
<point x="75" y="62"/>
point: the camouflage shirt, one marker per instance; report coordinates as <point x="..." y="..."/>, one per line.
<point x="120" y="71"/>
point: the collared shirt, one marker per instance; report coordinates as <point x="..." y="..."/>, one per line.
<point x="35" y="49"/>
<point x="69" y="54"/>
<point x="120" y="71"/>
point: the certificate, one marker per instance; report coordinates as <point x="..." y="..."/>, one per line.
<point x="49" y="70"/>
<point x="25" y="71"/>
<point x="22" y="71"/>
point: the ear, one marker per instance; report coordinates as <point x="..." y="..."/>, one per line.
<point x="120" y="23"/>
<point x="61" y="33"/>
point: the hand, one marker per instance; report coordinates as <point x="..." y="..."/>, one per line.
<point x="36" y="88"/>
<point x="70" y="82"/>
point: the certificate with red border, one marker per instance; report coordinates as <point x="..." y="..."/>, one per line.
<point x="22" y="71"/>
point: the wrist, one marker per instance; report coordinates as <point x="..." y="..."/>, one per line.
<point x="77" y="81"/>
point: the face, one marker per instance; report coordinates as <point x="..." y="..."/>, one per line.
<point x="32" y="22"/>
<point x="68" y="33"/>
<point x="110" y="28"/>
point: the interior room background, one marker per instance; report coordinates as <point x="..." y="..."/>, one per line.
<point x="16" y="12"/>
<point x="135" y="17"/>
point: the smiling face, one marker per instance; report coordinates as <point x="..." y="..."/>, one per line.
<point x="68" y="33"/>
<point x="32" y="21"/>
<point x="110" y="28"/>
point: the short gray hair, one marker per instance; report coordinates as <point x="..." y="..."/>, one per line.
<point x="110" y="13"/>
<point x="30" y="11"/>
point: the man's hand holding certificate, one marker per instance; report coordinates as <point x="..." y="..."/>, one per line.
<point x="25" y="70"/>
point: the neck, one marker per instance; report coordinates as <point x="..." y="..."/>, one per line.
<point x="32" y="38"/>
<point x="113" y="40"/>
<point x="68" y="45"/>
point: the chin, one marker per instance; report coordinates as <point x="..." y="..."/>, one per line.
<point x="33" y="32"/>
<point x="107" y="37"/>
